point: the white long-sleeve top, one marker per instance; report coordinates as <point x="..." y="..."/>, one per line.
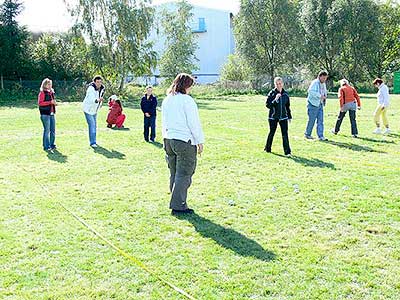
<point x="180" y="119"/>
<point x="383" y="95"/>
<point x="90" y="103"/>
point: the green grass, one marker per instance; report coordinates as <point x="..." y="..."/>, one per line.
<point x="323" y="225"/>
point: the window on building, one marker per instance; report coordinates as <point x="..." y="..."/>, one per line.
<point x="200" y="26"/>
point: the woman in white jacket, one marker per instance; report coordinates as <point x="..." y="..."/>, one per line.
<point x="383" y="105"/>
<point x="91" y="104"/>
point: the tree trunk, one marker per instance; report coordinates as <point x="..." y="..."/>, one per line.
<point x="121" y="84"/>
<point x="2" y="82"/>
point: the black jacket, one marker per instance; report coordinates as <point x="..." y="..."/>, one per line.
<point x="279" y="109"/>
<point x="149" y="105"/>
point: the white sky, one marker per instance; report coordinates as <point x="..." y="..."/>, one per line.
<point x="52" y="15"/>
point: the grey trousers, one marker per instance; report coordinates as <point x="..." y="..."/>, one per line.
<point x="182" y="159"/>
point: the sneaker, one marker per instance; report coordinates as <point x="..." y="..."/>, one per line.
<point x="323" y="139"/>
<point x="387" y="131"/>
<point x="308" y="137"/>
<point x="333" y="131"/>
<point x="109" y="126"/>
<point x="377" y="131"/>
<point x="152" y="140"/>
<point x="355" y="136"/>
<point x="94" y="146"/>
<point x="289" y="155"/>
<point x="50" y="150"/>
<point x="185" y="211"/>
<point x="267" y="150"/>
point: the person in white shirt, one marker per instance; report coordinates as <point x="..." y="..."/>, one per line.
<point x="183" y="139"/>
<point x="91" y="104"/>
<point x="383" y="105"/>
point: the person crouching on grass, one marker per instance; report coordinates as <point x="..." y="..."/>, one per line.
<point x="279" y="113"/>
<point x="47" y="108"/>
<point x="149" y="108"/>
<point x="115" y="115"/>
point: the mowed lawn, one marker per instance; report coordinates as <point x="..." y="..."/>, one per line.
<point x="324" y="224"/>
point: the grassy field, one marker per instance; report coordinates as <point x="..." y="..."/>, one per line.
<point x="324" y="224"/>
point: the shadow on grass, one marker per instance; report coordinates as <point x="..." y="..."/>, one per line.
<point x="353" y="147"/>
<point x="314" y="162"/>
<point x="394" y="135"/>
<point x="157" y="145"/>
<point x="228" y="238"/>
<point x="121" y="129"/>
<point x="109" y="154"/>
<point x="375" y="140"/>
<point x="57" y="156"/>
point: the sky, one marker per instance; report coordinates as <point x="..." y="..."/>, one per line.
<point x="52" y="15"/>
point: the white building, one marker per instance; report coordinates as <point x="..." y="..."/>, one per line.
<point x="215" y="40"/>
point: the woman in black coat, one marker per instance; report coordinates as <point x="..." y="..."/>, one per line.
<point x="279" y="113"/>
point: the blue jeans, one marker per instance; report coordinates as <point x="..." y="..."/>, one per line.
<point x="49" y="131"/>
<point x="92" y="123"/>
<point x="315" y="113"/>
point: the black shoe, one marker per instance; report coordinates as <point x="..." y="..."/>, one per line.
<point x="267" y="150"/>
<point x="109" y="126"/>
<point x="179" y="212"/>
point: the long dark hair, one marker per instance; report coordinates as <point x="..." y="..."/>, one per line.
<point x="181" y="82"/>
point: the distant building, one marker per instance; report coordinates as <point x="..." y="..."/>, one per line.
<point x="214" y="31"/>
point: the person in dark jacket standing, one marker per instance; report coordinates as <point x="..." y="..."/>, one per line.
<point x="149" y="108"/>
<point x="278" y="103"/>
<point x="47" y="108"/>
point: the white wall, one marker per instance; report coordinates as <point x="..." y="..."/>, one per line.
<point x="214" y="45"/>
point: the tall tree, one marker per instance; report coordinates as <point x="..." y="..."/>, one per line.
<point x="358" y="22"/>
<point x="13" y="40"/>
<point x="267" y="35"/>
<point x="323" y="41"/>
<point x="118" y="32"/>
<point x="181" y="44"/>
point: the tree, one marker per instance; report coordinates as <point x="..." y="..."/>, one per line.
<point x="323" y="41"/>
<point x="118" y="32"/>
<point x="13" y="40"/>
<point x="235" y="69"/>
<point x="387" y="59"/>
<point x="61" y="56"/>
<point x="357" y="22"/>
<point x="181" y="45"/>
<point x="267" y="35"/>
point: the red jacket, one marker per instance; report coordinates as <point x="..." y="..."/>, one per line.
<point x="348" y="94"/>
<point x="114" y="113"/>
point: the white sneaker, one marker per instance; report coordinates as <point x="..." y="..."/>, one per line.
<point x="333" y="131"/>
<point x="377" y="131"/>
<point x="94" y="146"/>
<point x="387" y="131"/>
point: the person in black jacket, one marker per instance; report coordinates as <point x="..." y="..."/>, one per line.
<point x="279" y="112"/>
<point x="149" y="108"/>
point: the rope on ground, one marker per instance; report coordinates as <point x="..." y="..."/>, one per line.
<point x="110" y="244"/>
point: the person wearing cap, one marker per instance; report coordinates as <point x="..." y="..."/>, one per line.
<point x="115" y="115"/>
<point x="349" y="102"/>
<point x="382" y="108"/>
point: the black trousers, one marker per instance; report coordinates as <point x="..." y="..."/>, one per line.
<point x="149" y="122"/>
<point x="273" y="124"/>
<point x="352" y="115"/>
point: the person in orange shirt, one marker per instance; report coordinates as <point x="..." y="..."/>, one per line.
<point x="349" y="102"/>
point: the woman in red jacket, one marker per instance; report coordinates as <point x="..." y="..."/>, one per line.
<point x="47" y="108"/>
<point x="115" y="115"/>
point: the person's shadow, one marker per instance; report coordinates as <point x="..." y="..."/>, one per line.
<point x="121" y="129"/>
<point x="228" y="238"/>
<point x="157" y="144"/>
<point x="314" y="162"/>
<point x="113" y="154"/>
<point x="57" y="156"/>
<point x="375" y="140"/>
<point x="353" y="147"/>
